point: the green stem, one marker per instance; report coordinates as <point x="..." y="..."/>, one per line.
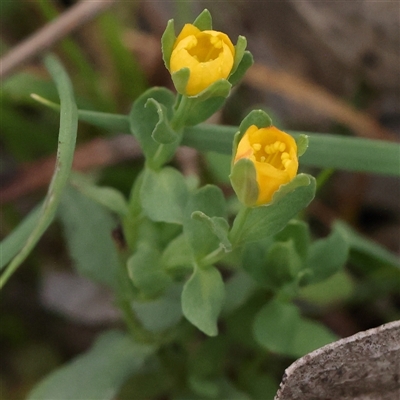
<point x="184" y="104"/>
<point x="212" y="257"/>
<point x="235" y="233"/>
<point x="65" y="154"/>
<point x="126" y="294"/>
<point x="131" y="221"/>
<point x="125" y="299"/>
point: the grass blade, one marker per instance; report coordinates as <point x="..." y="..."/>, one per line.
<point x="324" y="151"/>
<point x="22" y="243"/>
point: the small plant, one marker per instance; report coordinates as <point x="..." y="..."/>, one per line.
<point x="210" y="286"/>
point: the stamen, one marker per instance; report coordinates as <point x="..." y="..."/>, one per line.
<point x="284" y="156"/>
<point x="282" y="146"/>
<point x="286" y="162"/>
<point x="262" y="159"/>
<point x="257" y="146"/>
<point x="216" y="42"/>
<point x="192" y="43"/>
<point x="268" y="149"/>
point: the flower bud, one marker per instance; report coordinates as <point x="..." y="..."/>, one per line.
<point x="271" y="158"/>
<point x="209" y="55"/>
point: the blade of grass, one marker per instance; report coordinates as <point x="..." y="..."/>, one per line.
<point x="108" y="121"/>
<point x="324" y="151"/>
<point x="65" y="154"/>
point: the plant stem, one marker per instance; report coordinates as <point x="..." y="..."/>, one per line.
<point x="212" y="257"/>
<point x="184" y="105"/>
<point x="235" y="233"/>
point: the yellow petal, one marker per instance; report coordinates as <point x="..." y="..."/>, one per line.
<point x="209" y="55"/>
<point x="187" y="30"/>
<point x="275" y="162"/>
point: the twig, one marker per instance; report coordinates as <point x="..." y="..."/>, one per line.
<point x="47" y="36"/>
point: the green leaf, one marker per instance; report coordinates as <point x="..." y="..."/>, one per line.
<point x="162" y="313"/>
<point x="298" y="181"/>
<point x="177" y="253"/>
<point x="202" y="299"/>
<point x="204" y="21"/>
<point x="280" y="328"/>
<point x="204" y="110"/>
<point x="180" y="79"/>
<point x="336" y="288"/>
<point x="283" y="264"/>
<point x="238" y="290"/>
<point x="272" y="264"/>
<point x="258" y="118"/>
<point x="88" y="228"/>
<point x="106" y="196"/>
<point x="327" y="256"/>
<point x="245" y="63"/>
<point x="244" y="181"/>
<point x="145" y="271"/>
<point x="210" y="201"/>
<point x="311" y="335"/>
<point x="143" y="121"/>
<point x="97" y="374"/>
<point x="363" y="246"/>
<point x="164" y="195"/>
<point x="302" y="144"/>
<point x="162" y="133"/>
<point x="239" y="52"/>
<point x="65" y="154"/>
<point x="218" y="226"/>
<point x="167" y="42"/>
<point x="256" y="223"/>
<point x="297" y="231"/>
<point x="220" y="88"/>
<point x="203" y="105"/>
<point x="253" y="260"/>
<point x="275" y="327"/>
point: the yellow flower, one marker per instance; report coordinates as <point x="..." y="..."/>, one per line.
<point x="274" y="154"/>
<point x="208" y="54"/>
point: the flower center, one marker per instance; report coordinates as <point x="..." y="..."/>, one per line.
<point x="273" y="154"/>
<point x="205" y="47"/>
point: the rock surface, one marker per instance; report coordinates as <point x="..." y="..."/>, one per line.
<point x="365" y="366"/>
